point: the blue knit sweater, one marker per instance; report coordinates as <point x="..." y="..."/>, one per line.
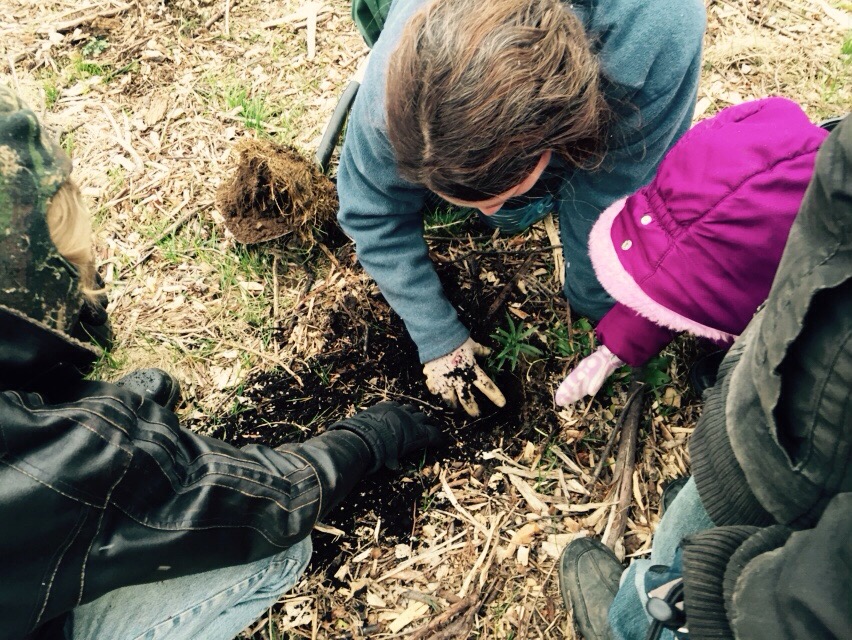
<point x="649" y="52"/>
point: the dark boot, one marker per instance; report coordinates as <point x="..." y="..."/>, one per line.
<point x="588" y="579"/>
<point x="703" y="373"/>
<point x="155" y="385"/>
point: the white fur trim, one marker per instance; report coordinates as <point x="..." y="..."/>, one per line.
<point x="621" y="285"/>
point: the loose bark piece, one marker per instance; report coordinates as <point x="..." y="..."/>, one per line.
<point x="76" y="22"/>
<point x="624" y="464"/>
<point x="439" y="621"/>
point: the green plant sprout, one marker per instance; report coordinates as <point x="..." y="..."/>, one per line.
<point x="654" y="373"/>
<point x="94" y="47"/>
<point x="513" y="344"/>
<point x="577" y="341"/>
<point x="254" y="109"/>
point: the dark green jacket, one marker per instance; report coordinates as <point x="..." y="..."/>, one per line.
<point x="772" y="454"/>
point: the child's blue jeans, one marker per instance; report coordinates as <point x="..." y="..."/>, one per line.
<point x="627" y="616"/>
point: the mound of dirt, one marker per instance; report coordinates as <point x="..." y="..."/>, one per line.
<point x="275" y="192"/>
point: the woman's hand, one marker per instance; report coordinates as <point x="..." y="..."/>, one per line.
<point x="454" y="376"/>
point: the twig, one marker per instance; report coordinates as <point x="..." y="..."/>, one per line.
<point x="558" y="259"/>
<point x="172" y="228"/>
<point x="220" y="14"/>
<point x="507" y="288"/>
<point x="496" y="252"/>
<point x="438" y="621"/>
<point x="285" y="329"/>
<point x="311" y="24"/>
<point x="481" y="559"/>
<point x="12" y="61"/>
<point x="466" y="239"/>
<point x="275" y="294"/>
<point x="417" y="401"/>
<point x="76" y="22"/>
<point x="411" y="594"/>
<point x="124" y="144"/>
<point x="443" y="548"/>
<point x="460" y="628"/>
<point x="462" y="511"/>
<point x="299" y="19"/>
<point x="635" y="388"/>
<point x="624" y="465"/>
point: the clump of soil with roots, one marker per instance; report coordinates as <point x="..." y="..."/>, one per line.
<point x="275" y="192"/>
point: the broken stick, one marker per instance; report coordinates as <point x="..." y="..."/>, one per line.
<point x="625" y="462"/>
<point x="633" y="392"/>
<point x="507" y="288"/>
<point x="460" y="607"/>
<point x="230" y="4"/>
<point x="76" y="22"/>
<point x="312" y="10"/>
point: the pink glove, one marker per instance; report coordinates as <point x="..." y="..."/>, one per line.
<point x="588" y="377"/>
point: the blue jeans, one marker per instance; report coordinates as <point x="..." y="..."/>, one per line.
<point x="628" y="619"/>
<point x="215" y="605"/>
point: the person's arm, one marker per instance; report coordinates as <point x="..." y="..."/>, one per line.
<point x="630" y="336"/>
<point x="382" y="213"/>
<point x="771" y="583"/>
<point x="128" y="496"/>
<point x="625" y="338"/>
<point x="651" y="84"/>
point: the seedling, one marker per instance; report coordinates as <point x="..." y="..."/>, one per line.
<point x="577" y="341"/>
<point x="94" y="47"/>
<point x="445" y="220"/>
<point x="51" y="92"/>
<point x="655" y="372"/>
<point x="513" y="344"/>
<point x="254" y="109"/>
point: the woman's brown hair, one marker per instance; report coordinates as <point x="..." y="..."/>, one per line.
<point x="478" y="90"/>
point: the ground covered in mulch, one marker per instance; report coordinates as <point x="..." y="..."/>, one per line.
<point x="369" y="357"/>
<point x="365" y="357"/>
<point x="156" y="102"/>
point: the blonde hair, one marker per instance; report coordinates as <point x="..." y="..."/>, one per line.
<point x="478" y="91"/>
<point x="70" y="227"/>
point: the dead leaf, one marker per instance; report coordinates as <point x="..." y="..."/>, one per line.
<point x="414" y="611"/>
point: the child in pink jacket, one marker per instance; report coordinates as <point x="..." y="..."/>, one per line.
<point x="696" y="249"/>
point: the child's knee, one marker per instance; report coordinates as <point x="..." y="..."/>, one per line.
<point x="587" y="298"/>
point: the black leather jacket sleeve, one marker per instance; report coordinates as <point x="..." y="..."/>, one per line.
<point x="101" y="489"/>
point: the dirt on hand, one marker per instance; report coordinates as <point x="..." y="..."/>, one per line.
<point x="275" y="192"/>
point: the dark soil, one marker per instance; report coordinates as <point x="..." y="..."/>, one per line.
<point x="369" y="357"/>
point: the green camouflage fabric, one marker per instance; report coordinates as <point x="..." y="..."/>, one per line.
<point x="34" y="279"/>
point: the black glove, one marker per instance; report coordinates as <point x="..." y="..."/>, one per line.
<point x="391" y="431"/>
